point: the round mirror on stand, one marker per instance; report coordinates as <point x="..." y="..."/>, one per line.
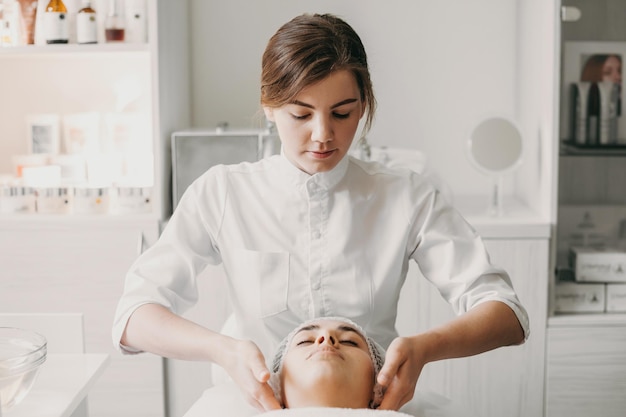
<point x="495" y="148"/>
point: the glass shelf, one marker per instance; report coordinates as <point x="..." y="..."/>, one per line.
<point x="571" y="149"/>
<point x="38" y="50"/>
<point x="587" y="319"/>
<point x="40" y="220"/>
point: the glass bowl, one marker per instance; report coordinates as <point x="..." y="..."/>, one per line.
<point x="22" y="352"/>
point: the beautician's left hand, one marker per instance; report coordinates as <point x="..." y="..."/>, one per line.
<point x="399" y="374"/>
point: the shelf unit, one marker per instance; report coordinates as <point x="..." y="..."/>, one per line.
<point x="76" y="263"/>
<point x="585" y="352"/>
<point x="95" y="78"/>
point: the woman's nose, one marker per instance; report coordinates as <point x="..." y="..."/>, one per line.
<point x="322" y="131"/>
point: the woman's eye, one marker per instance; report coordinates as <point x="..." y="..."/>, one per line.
<point x="349" y="342"/>
<point x="299" y="117"/>
<point x="304" y="342"/>
<point x="341" y="115"/>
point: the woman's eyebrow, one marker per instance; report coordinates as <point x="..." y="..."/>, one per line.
<point x="342" y="328"/>
<point x="341" y="103"/>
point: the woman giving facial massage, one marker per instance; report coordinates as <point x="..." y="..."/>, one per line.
<point x="314" y="232"/>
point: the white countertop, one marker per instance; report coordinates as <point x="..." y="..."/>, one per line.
<point x="517" y="222"/>
<point x="63" y="382"/>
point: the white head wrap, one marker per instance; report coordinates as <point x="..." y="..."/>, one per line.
<point x="377" y="352"/>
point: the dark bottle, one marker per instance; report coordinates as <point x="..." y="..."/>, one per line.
<point x="593" y="115"/>
<point x="56" y="22"/>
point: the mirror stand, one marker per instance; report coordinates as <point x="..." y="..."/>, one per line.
<point x="496" y="204"/>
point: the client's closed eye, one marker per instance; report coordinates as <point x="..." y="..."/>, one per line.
<point x="349" y="342"/>
<point x="304" y="342"/>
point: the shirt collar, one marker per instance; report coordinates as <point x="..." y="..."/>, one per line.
<point x="326" y="180"/>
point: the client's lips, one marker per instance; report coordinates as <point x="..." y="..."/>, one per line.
<point x="326" y="350"/>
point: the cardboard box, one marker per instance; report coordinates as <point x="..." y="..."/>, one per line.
<point x="572" y="297"/>
<point x="594" y="265"/>
<point x="616" y="298"/>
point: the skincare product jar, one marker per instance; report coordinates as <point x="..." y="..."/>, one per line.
<point x="53" y="200"/>
<point x="131" y="200"/>
<point x="91" y="200"/>
<point x="16" y="199"/>
<point x="72" y="168"/>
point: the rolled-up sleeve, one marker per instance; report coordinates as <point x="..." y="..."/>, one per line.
<point x="166" y="273"/>
<point x="453" y="257"/>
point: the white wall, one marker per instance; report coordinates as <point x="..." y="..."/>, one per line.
<point x="438" y="67"/>
<point x="538" y="92"/>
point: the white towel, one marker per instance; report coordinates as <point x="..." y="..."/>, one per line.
<point x="226" y="400"/>
<point x="332" y="412"/>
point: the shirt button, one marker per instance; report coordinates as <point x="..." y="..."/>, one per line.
<point x="316" y="285"/>
<point x="316" y="234"/>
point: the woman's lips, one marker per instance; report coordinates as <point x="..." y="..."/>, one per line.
<point x="322" y="154"/>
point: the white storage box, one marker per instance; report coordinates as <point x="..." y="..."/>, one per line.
<point x="572" y="297"/>
<point x="593" y="265"/>
<point x="616" y="298"/>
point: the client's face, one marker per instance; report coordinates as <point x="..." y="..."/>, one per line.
<point x="327" y="364"/>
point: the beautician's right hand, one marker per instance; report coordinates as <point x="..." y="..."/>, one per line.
<point x="245" y="364"/>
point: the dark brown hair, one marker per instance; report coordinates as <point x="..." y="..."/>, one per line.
<point x="593" y="68"/>
<point x="306" y="50"/>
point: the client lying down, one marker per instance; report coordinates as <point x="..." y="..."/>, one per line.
<point x="327" y="362"/>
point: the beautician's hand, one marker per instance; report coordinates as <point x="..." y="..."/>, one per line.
<point x="245" y="363"/>
<point x="399" y="374"/>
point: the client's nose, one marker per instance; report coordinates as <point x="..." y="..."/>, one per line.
<point x="329" y="339"/>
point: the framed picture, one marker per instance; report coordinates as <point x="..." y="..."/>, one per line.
<point x="592" y="62"/>
<point x="42" y="134"/>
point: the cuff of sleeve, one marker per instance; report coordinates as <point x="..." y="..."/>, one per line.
<point x="118" y="330"/>
<point x="519" y="311"/>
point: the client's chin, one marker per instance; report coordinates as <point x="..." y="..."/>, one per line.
<point x="323" y="390"/>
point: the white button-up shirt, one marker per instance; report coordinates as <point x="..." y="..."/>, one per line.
<point x="296" y="246"/>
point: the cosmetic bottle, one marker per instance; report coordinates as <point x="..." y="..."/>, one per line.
<point x="593" y="115"/>
<point x="114" y="23"/>
<point x="56" y="22"/>
<point x="86" y="24"/>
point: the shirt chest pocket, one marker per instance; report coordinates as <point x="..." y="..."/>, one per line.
<point x="261" y="279"/>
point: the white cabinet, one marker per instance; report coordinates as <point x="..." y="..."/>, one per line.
<point x="78" y="266"/>
<point x="508" y="381"/>
<point x="586" y="367"/>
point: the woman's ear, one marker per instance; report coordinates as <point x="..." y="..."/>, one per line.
<point x="269" y="113"/>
